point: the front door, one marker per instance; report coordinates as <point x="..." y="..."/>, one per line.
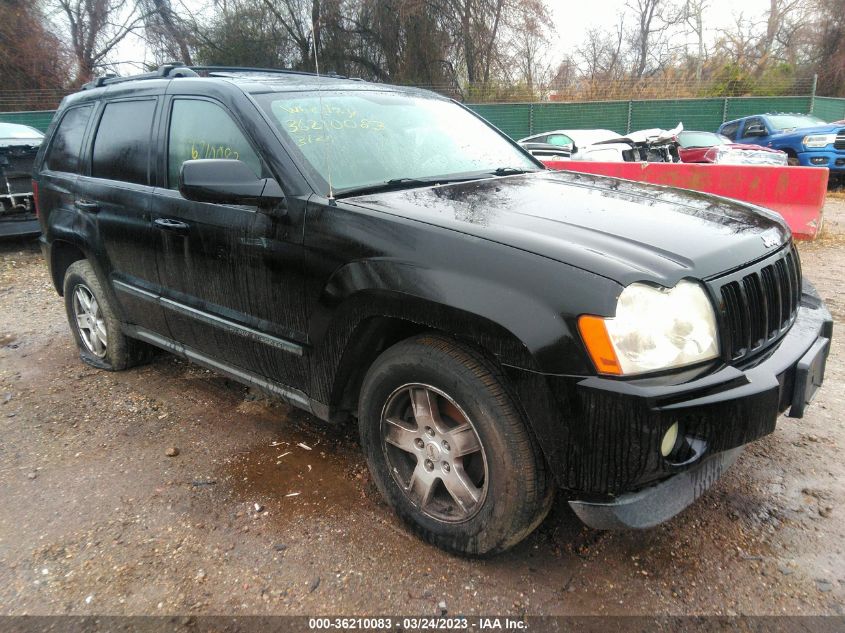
<point x="231" y="277"/>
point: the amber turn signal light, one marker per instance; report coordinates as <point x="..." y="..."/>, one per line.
<point x="594" y="334"/>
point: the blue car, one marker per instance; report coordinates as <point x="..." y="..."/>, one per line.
<point x="805" y="138"/>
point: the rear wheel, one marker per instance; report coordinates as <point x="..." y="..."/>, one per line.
<point x="94" y="322"/>
<point x="449" y="449"/>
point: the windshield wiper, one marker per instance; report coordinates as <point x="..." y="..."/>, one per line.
<point x="512" y="171"/>
<point x="396" y="184"/>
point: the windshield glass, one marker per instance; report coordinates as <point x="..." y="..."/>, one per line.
<point x="794" y="121"/>
<point x="13" y="130"/>
<point x="582" y="138"/>
<point x="360" y="139"/>
<point x="701" y="139"/>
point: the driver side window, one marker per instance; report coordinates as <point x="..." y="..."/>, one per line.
<point x="201" y="129"/>
<point x="750" y="123"/>
<point x="559" y="139"/>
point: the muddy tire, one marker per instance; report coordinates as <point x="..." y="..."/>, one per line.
<point x="94" y="322"/>
<point x="448" y="448"/>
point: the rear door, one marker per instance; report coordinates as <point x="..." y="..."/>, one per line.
<point x="231" y="274"/>
<point x="58" y="174"/>
<point x="117" y="192"/>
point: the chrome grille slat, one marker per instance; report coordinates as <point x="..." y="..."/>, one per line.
<point x="758" y="304"/>
<point x="840" y="140"/>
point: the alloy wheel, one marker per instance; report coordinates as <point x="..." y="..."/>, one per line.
<point x="90" y="321"/>
<point x="434" y="453"/>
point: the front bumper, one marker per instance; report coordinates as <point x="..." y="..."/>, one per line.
<point x="659" y="503"/>
<point x="609" y="453"/>
<point x="832" y="159"/>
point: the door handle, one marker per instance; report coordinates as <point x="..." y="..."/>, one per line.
<point x="85" y="205"/>
<point x="175" y="226"/>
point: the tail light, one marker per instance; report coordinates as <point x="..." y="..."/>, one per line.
<point x="35" y="196"/>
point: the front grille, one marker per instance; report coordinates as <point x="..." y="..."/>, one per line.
<point x="840" y="140"/>
<point x="757" y="305"/>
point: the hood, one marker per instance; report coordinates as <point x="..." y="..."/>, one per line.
<point x="622" y="230"/>
<point x="830" y="128"/>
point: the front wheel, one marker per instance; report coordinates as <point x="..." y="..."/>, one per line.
<point x="448" y="448"/>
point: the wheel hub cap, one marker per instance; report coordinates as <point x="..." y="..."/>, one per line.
<point x="434" y="453"/>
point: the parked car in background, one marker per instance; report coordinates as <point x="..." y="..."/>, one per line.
<point x="18" y="147"/>
<point x="652" y="145"/>
<point x="806" y="139"/>
<point x="547" y="151"/>
<point x="708" y="147"/>
<point x="579" y="144"/>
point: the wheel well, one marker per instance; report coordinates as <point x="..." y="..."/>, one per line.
<point x="369" y="339"/>
<point x="790" y="152"/>
<point x="63" y="254"/>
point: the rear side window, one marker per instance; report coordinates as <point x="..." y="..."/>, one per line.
<point x="122" y="146"/>
<point x="730" y="130"/>
<point x="67" y="141"/>
<point x="201" y="129"/>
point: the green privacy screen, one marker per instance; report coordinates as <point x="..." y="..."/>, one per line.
<point x="523" y="119"/>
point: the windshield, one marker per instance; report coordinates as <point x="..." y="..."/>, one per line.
<point x="794" y="121"/>
<point x="701" y="139"/>
<point x="582" y="138"/>
<point x="360" y="139"/>
<point x="13" y="130"/>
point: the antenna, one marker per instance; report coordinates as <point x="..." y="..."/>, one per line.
<point x="322" y="119"/>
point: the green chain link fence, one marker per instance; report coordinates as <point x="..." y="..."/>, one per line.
<point x="523" y="119"/>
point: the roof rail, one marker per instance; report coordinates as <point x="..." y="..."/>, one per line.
<point x="177" y="69"/>
<point x="172" y="70"/>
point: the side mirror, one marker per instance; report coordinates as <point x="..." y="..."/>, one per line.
<point x="227" y="181"/>
<point x="755" y="130"/>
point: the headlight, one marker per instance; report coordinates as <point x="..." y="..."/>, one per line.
<point x="819" y="140"/>
<point x="654" y="329"/>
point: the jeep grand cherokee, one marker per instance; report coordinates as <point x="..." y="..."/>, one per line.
<point x="377" y="253"/>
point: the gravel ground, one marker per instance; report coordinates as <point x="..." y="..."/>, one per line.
<point x="98" y="518"/>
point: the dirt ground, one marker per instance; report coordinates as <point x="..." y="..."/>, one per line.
<point x="96" y="518"/>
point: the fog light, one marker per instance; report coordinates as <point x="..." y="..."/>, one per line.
<point x="669" y="440"/>
<point x="818" y="160"/>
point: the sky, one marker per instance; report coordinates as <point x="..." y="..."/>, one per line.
<point x="572" y="19"/>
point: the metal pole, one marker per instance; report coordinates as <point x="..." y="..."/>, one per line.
<point x="725" y="110"/>
<point x="813" y="93"/>
<point x="630" y="109"/>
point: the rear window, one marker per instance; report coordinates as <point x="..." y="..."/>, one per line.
<point x="122" y="146"/>
<point x="67" y="140"/>
<point x="700" y="139"/>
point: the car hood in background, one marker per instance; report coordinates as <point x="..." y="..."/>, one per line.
<point x="619" y="229"/>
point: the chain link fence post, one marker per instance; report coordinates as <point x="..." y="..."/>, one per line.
<point x="813" y="93"/>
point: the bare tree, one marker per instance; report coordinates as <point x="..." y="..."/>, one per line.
<point x="167" y="32"/>
<point x="96" y="27"/>
<point x="32" y="59"/>
<point x="693" y="15"/>
<point x="652" y="20"/>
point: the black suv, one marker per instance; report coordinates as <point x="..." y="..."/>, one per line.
<point x="382" y="254"/>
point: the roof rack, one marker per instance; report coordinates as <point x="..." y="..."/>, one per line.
<point x="177" y="69"/>
<point x="171" y="70"/>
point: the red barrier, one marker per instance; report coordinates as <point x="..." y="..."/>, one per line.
<point x="797" y="193"/>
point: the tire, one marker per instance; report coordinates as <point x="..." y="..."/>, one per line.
<point x="792" y="161"/>
<point x="103" y="345"/>
<point x="482" y="502"/>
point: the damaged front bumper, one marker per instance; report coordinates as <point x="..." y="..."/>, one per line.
<point x="623" y="479"/>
